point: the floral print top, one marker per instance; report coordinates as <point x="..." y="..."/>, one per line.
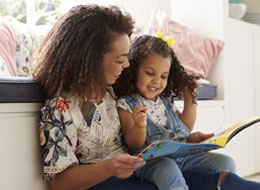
<point x="70" y="136"/>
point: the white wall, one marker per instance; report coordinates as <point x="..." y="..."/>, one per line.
<point x="140" y="10"/>
<point x="20" y="160"/>
<point x="252" y="5"/>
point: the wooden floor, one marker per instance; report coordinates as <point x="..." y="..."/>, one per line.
<point x="255" y="177"/>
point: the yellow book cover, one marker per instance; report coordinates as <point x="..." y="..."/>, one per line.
<point x="224" y="134"/>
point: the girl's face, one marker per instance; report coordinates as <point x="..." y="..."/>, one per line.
<point x="152" y="76"/>
<point x="116" y="60"/>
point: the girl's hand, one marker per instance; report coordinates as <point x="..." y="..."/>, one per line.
<point x="198" y="137"/>
<point x="123" y="165"/>
<point x="139" y="115"/>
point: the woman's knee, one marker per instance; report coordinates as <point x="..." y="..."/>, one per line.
<point x="225" y="162"/>
<point x="208" y="161"/>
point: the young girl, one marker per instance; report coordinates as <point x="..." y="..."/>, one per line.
<point x="147" y="113"/>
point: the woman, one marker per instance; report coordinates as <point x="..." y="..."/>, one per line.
<point x="81" y="56"/>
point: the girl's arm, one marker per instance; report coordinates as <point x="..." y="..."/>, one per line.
<point x="197" y="137"/>
<point x="134" y="126"/>
<point x="85" y="176"/>
<point x="189" y="113"/>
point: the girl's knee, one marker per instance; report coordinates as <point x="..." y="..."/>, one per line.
<point x="168" y="175"/>
<point x="162" y="166"/>
<point x="164" y="172"/>
<point x="166" y="163"/>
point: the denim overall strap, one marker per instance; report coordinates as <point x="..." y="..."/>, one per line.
<point x="180" y="130"/>
<point x="173" y="130"/>
<point x="132" y="101"/>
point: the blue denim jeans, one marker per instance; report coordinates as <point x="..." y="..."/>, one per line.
<point x="166" y="172"/>
<point x="130" y="183"/>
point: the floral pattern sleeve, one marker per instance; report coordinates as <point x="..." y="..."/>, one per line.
<point x="58" y="137"/>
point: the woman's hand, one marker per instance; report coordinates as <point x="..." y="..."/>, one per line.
<point x="198" y="137"/>
<point x="124" y="165"/>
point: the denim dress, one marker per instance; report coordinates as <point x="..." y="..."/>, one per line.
<point x="174" y="129"/>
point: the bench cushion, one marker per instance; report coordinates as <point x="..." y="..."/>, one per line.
<point x="20" y="90"/>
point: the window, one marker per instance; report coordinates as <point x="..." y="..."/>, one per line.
<point x="32" y="12"/>
<point x="14" y="8"/>
<point x="42" y="12"/>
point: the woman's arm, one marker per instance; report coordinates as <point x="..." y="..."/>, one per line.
<point x="189" y="113"/>
<point x="134" y="126"/>
<point x="85" y="176"/>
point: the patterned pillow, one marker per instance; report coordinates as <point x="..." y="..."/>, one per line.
<point x="3" y="69"/>
<point x="195" y="51"/>
<point x="26" y="44"/>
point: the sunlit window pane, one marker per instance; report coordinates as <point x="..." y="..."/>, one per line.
<point x="14" y="8"/>
<point x="43" y="12"/>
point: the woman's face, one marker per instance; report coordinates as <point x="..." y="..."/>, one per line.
<point x="152" y="76"/>
<point x="116" y="60"/>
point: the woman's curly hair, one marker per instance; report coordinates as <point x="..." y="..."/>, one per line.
<point x="140" y="49"/>
<point x="70" y="58"/>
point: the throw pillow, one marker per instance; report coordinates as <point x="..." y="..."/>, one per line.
<point x="7" y="48"/>
<point x="195" y="51"/>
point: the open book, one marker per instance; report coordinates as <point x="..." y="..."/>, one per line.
<point x="176" y="149"/>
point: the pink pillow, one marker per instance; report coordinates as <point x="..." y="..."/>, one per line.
<point x="7" y="45"/>
<point x="196" y="52"/>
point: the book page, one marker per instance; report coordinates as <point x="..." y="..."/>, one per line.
<point x="225" y="133"/>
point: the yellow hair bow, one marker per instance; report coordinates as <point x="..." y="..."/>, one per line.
<point x="169" y="40"/>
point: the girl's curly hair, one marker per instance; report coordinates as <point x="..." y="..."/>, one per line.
<point x="70" y="58"/>
<point x="140" y="49"/>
